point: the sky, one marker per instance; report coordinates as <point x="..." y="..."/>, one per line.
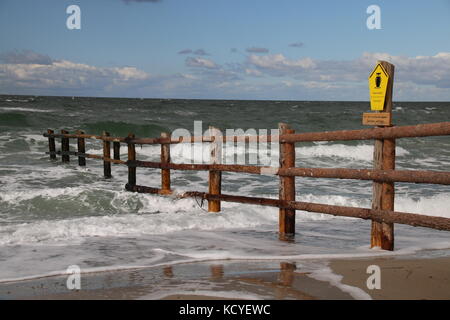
<point x="224" y="49"/>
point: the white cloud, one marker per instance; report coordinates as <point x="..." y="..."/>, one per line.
<point x="69" y="78"/>
<point x="280" y="64"/>
<point x="253" y="72"/>
<point x="420" y="70"/>
<point x="131" y="73"/>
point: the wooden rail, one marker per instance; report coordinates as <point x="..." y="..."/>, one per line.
<point x="385" y="175"/>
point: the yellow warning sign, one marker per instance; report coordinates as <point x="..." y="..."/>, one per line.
<point x="378" y="81"/>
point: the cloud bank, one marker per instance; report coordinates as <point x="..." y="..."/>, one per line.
<point x="25" y="57"/>
<point x="256" y="76"/>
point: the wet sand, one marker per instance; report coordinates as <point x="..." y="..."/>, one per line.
<point x="401" y="278"/>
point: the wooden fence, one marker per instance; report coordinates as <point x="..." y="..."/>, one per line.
<point x="383" y="175"/>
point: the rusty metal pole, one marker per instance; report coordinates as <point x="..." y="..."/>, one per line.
<point x="106" y="156"/>
<point x="65" y="147"/>
<point x="131" y="157"/>
<point x="382" y="234"/>
<point x="81" y="149"/>
<point x="215" y="177"/>
<point x="287" y="186"/>
<point x="51" y="145"/>
<point x="165" y="159"/>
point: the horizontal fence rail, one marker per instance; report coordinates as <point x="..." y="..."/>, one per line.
<point x="286" y="172"/>
<point x="416" y="220"/>
<point x="412" y="176"/>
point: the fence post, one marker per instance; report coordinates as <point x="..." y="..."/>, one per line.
<point x="81" y="149"/>
<point x="382" y="234"/>
<point x="165" y="159"/>
<point x="287" y="185"/>
<point x="131" y="157"/>
<point x="106" y="155"/>
<point x="215" y="177"/>
<point x="116" y="147"/>
<point x="51" y="145"/>
<point x="65" y="147"/>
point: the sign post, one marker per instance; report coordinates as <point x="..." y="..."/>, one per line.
<point x="381" y="84"/>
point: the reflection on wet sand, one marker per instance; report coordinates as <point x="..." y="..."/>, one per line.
<point x="242" y="280"/>
<point x="217" y="271"/>
<point x="168" y="271"/>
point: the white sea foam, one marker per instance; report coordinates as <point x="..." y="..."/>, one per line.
<point x="199" y="153"/>
<point x="231" y="294"/>
<point x="326" y="274"/>
<point x="146" y="214"/>
<point x="184" y="215"/>
<point x="24" y="109"/>
<point x="437" y="205"/>
<point x="363" y="152"/>
<point x="15" y="197"/>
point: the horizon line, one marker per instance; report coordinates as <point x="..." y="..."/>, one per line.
<point x="214" y="99"/>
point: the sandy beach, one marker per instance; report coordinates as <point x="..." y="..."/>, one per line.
<point x="401" y="278"/>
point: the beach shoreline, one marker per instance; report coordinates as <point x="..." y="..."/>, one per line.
<point x="402" y="277"/>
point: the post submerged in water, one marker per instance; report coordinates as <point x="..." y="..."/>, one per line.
<point x="116" y="147"/>
<point x="165" y="159"/>
<point x="81" y="150"/>
<point x="65" y="147"/>
<point x="287" y="185"/>
<point x="215" y="177"/>
<point x="131" y="157"/>
<point x="106" y="156"/>
<point x="382" y="233"/>
<point x="51" y="145"/>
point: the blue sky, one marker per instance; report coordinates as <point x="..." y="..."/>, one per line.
<point x="246" y="49"/>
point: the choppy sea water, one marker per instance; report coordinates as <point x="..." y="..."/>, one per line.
<point x="54" y="215"/>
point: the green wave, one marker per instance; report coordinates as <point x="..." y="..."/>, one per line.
<point x="13" y="120"/>
<point x="122" y="129"/>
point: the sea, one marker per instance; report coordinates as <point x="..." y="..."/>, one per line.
<point x="54" y="215"/>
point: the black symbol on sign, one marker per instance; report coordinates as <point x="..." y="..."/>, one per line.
<point x="378" y="80"/>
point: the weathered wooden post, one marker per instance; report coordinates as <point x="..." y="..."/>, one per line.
<point x="51" y="145"/>
<point x="65" y="147"/>
<point x="382" y="234"/>
<point x="287" y="185"/>
<point x="165" y="159"/>
<point x="116" y="147"/>
<point x="106" y="156"/>
<point x="81" y="149"/>
<point x="131" y="157"/>
<point x="215" y="177"/>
